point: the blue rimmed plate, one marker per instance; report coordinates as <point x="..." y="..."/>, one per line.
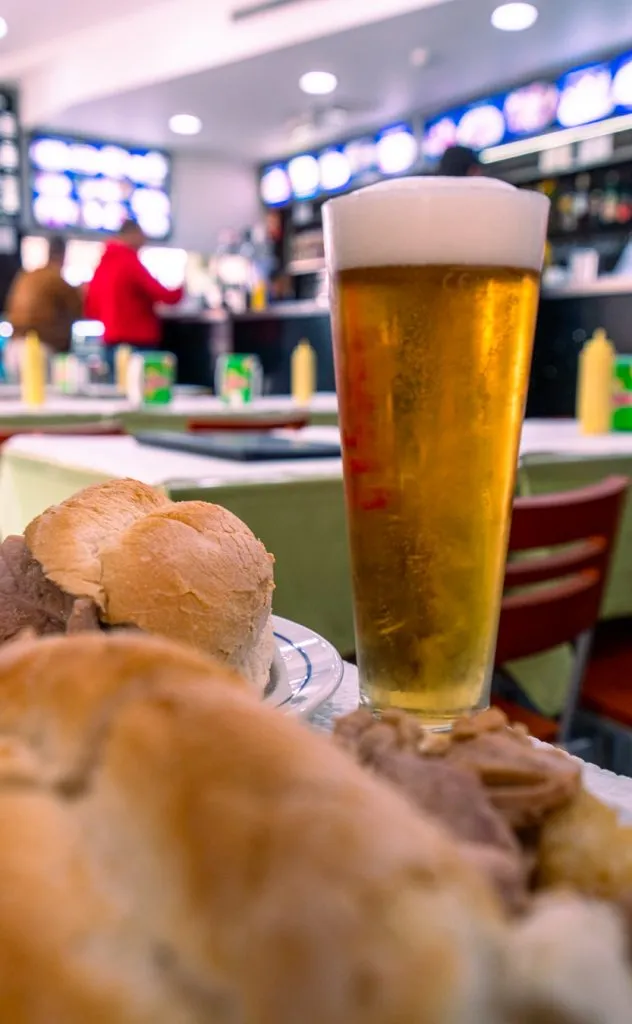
<point x="306" y="670"/>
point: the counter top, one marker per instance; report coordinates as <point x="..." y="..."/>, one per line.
<point x="609" y="284"/>
<point x="285" y="310"/>
<point x="277" y="311"/>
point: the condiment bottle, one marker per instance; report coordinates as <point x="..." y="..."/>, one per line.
<point x="121" y="367"/>
<point x="259" y="297"/>
<point x="595" y="384"/>
<point x="33" y="371"/>
<point x="303" y="372"/>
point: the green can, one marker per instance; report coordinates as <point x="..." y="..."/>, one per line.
<point x="622" y="394"/>
<point x="151" y="378"/>
<point x="238" y="378"/>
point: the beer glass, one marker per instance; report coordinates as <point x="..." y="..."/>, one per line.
<point x="434" y="287"/>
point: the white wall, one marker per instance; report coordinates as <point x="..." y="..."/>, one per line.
<point x="210" y="194"/>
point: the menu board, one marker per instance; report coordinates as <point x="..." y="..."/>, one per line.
<point x="89" y="186"/>
<point x="392" y="152"/>
<point x="10" y="176"/>
<point x="584" y="95"/>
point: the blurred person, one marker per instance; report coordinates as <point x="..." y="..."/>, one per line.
<point x="40" y="300"/>
<point x="123" y="296"/>
<point x="459" y="162"/>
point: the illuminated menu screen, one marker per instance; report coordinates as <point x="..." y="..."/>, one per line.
<point x="88" y="186"/>
<point x="10" y="178"/>
<point x="582" y="96"/>
<point x="395" y="151"/>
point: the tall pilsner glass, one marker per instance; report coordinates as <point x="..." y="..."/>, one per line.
<point x="434" y="290"/>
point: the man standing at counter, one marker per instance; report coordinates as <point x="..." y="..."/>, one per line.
<point x="123" y="296"/>
<point x="42" y="301"/>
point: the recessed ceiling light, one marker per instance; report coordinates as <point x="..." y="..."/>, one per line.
<point x="419" y="56"/>
<point x="318" y="83"/>
<point x="4" y="28"/>
<point x="514" y="17"/>
<point x="185" y="124"/>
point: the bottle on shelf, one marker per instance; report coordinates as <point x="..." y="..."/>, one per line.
<point x="122" y="358"/>
<point x="303" y="372"/>
<point x="259" y="296"/>
<point x="581" y="198"/>
<point x="595" y="384"/>
<point x="610" y="201"/>
<point x="33" y="371"/>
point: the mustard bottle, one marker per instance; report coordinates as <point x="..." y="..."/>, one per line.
<point x="259" y="297"/>
<point x="303" y="372"/>
<point x="122" y="357"/>
<point x="33" y="371"/>
<point x="595" y="384"/>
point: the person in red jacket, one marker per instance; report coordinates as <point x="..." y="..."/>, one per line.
<point x="123" y="294"/>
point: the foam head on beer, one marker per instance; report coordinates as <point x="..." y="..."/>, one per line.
<point x="435" y="221"/>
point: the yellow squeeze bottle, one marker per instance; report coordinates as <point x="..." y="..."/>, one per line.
<point x="33" y="371"/>
<point x="259" y="297"/>
<point x="122" y="357"/>
<point x="595" y="384"/>
<point x="303" y="372"/>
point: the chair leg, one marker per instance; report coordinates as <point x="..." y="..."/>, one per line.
<point x="616" y="742"/>
<point x="582" y="653"/>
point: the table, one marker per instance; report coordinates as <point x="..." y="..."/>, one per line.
<point x="296" y="508"/>
<point x="563" y="437"/>
<point x="208" y="411"/>
<point x="57" y="413"/>
<point x="69" y="412"/>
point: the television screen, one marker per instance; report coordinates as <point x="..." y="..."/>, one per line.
<point x="9" y="158"/>
<point x="91" y="186"/>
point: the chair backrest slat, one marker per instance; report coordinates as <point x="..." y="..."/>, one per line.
<point x="586" y="522"/>
<point x="586" y="554"/>
<point x="543" y="619"/>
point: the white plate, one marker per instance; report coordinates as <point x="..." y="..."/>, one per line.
<point x="306" y="670"/>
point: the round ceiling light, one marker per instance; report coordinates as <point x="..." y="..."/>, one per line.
<point x="185" y="124"/>
<point x="419" y="57"/>
<point x="514" y="17"/>
<point x="318" y="83"/>
<point x="4" y="28"/>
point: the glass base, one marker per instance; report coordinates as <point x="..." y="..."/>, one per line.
<point x="430" y="723"/>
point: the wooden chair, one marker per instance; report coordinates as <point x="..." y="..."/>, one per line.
<point x="262" y="423"/>
<point x="553" y="598"/>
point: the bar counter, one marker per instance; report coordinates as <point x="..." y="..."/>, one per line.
<point x="197" y="339"/>
<point x="569" y="314"/>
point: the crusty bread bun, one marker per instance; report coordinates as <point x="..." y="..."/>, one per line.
<point x="190" y="571"/>
<point x="174" y="852"/>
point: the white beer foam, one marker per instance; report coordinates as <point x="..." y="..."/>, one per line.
<point x="433" y="220"/>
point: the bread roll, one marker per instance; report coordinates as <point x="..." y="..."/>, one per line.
<point x="190" y="571"/>
<point x="173" y="852"/>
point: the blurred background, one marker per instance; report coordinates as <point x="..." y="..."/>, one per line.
<point x="222" y="128"/>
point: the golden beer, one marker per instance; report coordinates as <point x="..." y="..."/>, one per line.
<point x="432" y="364"/>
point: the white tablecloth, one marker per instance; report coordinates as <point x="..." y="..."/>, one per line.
<point x="63" y="406"/>
<point x="119" y="457"/>
<point x="183" y="405"/>
<point x="562" y="437"/>
<point x="539" y="437"/>
<point x="123" y="456"/>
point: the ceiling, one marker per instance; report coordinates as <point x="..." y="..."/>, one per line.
<point x="34" y="23"/>
<point x="246" y="105"/>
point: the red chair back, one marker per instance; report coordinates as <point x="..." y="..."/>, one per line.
<point x="233" y="423"/>
<point x="563" y="588"/>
